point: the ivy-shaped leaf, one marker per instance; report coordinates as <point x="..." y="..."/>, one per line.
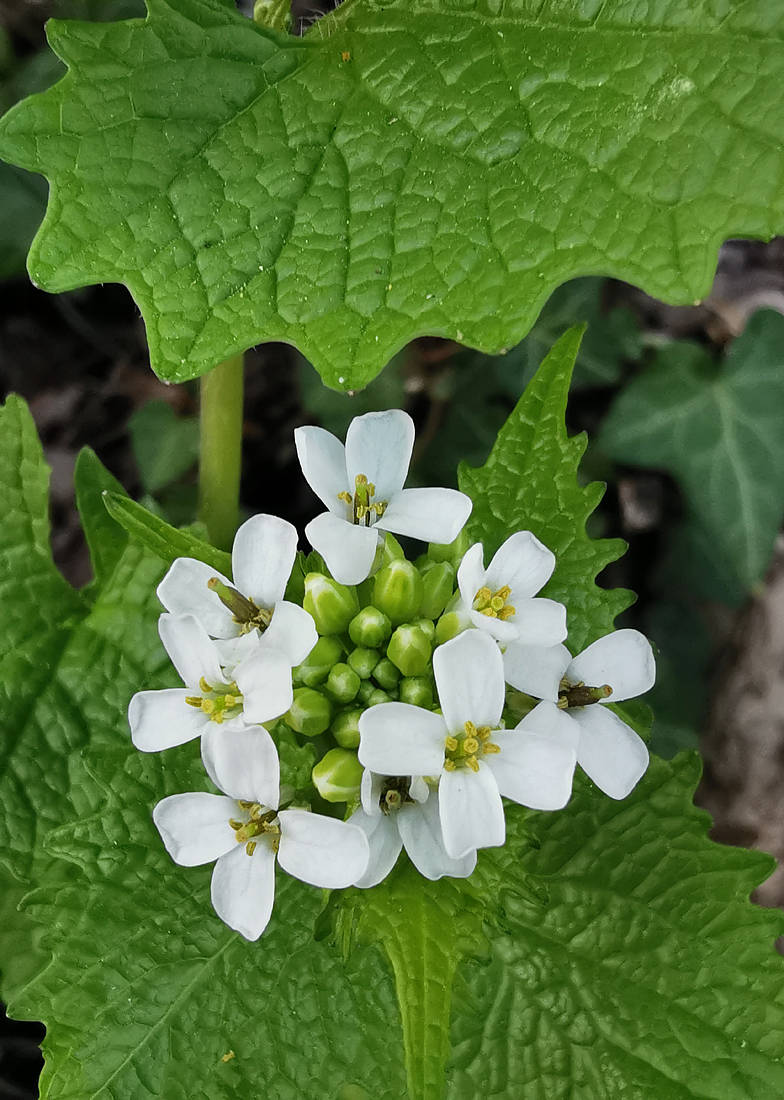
<point x="529" y="484"/>
<point x="409" y="167"/>
<point x="717" y="430"/>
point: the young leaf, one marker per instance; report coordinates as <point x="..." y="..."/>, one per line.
<point x="160" y="537"/>
<point x="718" y="432"/>
<point x="105" y="538"/>
<point x="529" y="483"/>
<point x="378" y="179"/>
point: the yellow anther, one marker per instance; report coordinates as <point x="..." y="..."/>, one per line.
<point x="482" y="598"/>
<point x="504" y="593"/>
<point x="345" y="497"/>
<point x="471" y="745"/>
<point x="473" y="763"/>
<point x="449" y="765"/>
<point x="234" y="823"/>
<point x="231" y="700"/>
<point x="360" y="480"/>
<point x="208" y="706"/>
<point x="470" y="729"/>
<point x="506" y="612"/>
<point x="193" y="701"/>
<point x="250" y="847"/>
<point x="205" y="687"/>
<point x="486" y="611"/>
<point x="246" y="805"/>
<point x="496" y="603"/>
<point x="483" y="733"/>
<point x="490" y="747"/>
<point x="451" y="744"/>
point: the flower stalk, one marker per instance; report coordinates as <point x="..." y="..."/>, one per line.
<point x="220" y="450"/>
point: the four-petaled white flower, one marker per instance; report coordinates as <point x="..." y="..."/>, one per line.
<point x="500" y="600"/>
<point x="401" y="812"/>
<point x="475" y="762"/>
<point x="244" y="831"/>
<point x="617" y="667"/>
<point x="362" y="486"/>
<point x="253" y="691"/>
<point x="261" y="560"/>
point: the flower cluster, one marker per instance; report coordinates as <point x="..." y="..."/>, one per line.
<point x="429" y="690"/>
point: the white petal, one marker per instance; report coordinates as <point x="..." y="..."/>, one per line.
<point x="323" y="461"/>
<point x="418" y="788"/>
<point x="370" y="787"/>
<point x="610" y="752"/>
<point x="533" y="769"/>
<point x="322" y="850"/>
<point x="233" y="650"/>
<point x="539" y="622"/>
<point x="469" y="675"/>
<point x="549" y="720"/>
<point x="471" y="573"/>
<point x="524" y="563"/>
<point x="292" y="631"/>
<point x="195" y="827"/>
<point x="265" y="682"/>
<point x="401" y="739"/>
<point x="432" y="515"/>
<point x="184" y="591"/>
<point x="623" y="659"/>
<point x="193" y="653"/>
<point x="347" y="548"/>
<point x="379" y="445"/>
<point x="536" y="670"/>
<point x="161" y="719"/>
<point x="420" y="830"/>
<point x="243" y="889"/>
<point x="384" y="843"/>
<point x="243" y="762"/>
<point x="503" y="632"/>
<point x="262" y="558"/>
<point x="472" y="814"/>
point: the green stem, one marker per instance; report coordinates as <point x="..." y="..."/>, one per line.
<point x="220" y="451"/>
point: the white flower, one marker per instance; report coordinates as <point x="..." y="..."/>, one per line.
<point x="245" y="831"/>
<point x="255" y="690"/>
<point x="475" y="762"/>
<point x="362" y="486"/>
<point x="261" y="560"/>
<point x="617" y="667"/>
<point x="397" y="812"/>
<point x="499" y="599"/>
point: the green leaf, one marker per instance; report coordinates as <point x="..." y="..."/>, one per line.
<point x="529" y="483"/>
<point x="718" y="432"/>
<point x="105" y="538"/>
<point x="165" y="445"/>
<point x="377" y="179"/>
<point x="160" y="537"/>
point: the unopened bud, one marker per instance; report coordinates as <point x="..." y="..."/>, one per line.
<point x="386" y="675"/>
<point x="438" y="579"/>
<point x="398" y="591"/>
<point x="342" y="683"/>
<point x="452" y="552"/>
<point x="417" y="690"/>
<point x="378" y="696"/>
<point x="391" y="550"/>
<point x="409" y="650"/>
<point x="370" y="627"/>
<point x="448" y="627"/>
<point x="428" y="626"/>
<point x="332" y="605"/>
<point x="315" y="668"/>
<point x="366" y="689"/>
<point x="310" y="713"/>
<point x="363" y="661"/>
<point x="346" y="727"/>
<point x="337" y="776"/>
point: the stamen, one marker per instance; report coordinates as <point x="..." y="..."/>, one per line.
<point x="494" y="604"/>
<point x="250" y="847"/>
<point x="451" y="744"/>
<point x="490" y="747"/>
<point x="473" y="763"/>
<point x="581" y="695"/>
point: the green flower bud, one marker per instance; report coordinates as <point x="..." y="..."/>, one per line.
<point x="342" y="683"/>
<point x="366" y="689"/>
<point x="428" y="626"/>
<point x="386" y="675"/>
<point x="398" y="591"/>
<point x="438" y="578"/>
<point x="370" y="628"/>
<point x="346" y="727"/>
<point x="449" y="551"/>
<point x="310" y="712"/>
<point x="337" y="776"/>
<point x="315" y="668"/>
<point x="378" y="696"/>
<point x="332" y="605"/>
<point x="391" y="550"/>
<point x="363" y="661"/>
<point x="448" y="626"/>
<point x="417" y="690"/>
<point x="409" y="650"/>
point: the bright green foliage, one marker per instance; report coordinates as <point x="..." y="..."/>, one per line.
<point x="165" y="541"/>
<point x="529" y="484"/>
<point x="420" y="166"/>
<point x="718" y="431"/>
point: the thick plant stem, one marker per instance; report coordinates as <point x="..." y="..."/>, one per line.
<point x="220" y="447"/>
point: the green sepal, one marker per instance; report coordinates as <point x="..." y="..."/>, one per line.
<point x="398" y="590"/>
<point x="331" y="605"/>
<point x="337" y="776"/>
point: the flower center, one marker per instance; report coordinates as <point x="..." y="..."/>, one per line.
<point x="218" y="703"/>
<point x="363" y="508"/>
<point x="494" y="604"/>
<point x="463" y="751"/>
<point x="246" y="614"/>
<point x="259" y="822"/>
<point x="580" y="695"/>
<point x="395" y="793"/>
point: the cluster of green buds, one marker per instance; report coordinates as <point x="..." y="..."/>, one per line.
<point x="376" y="643"/>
